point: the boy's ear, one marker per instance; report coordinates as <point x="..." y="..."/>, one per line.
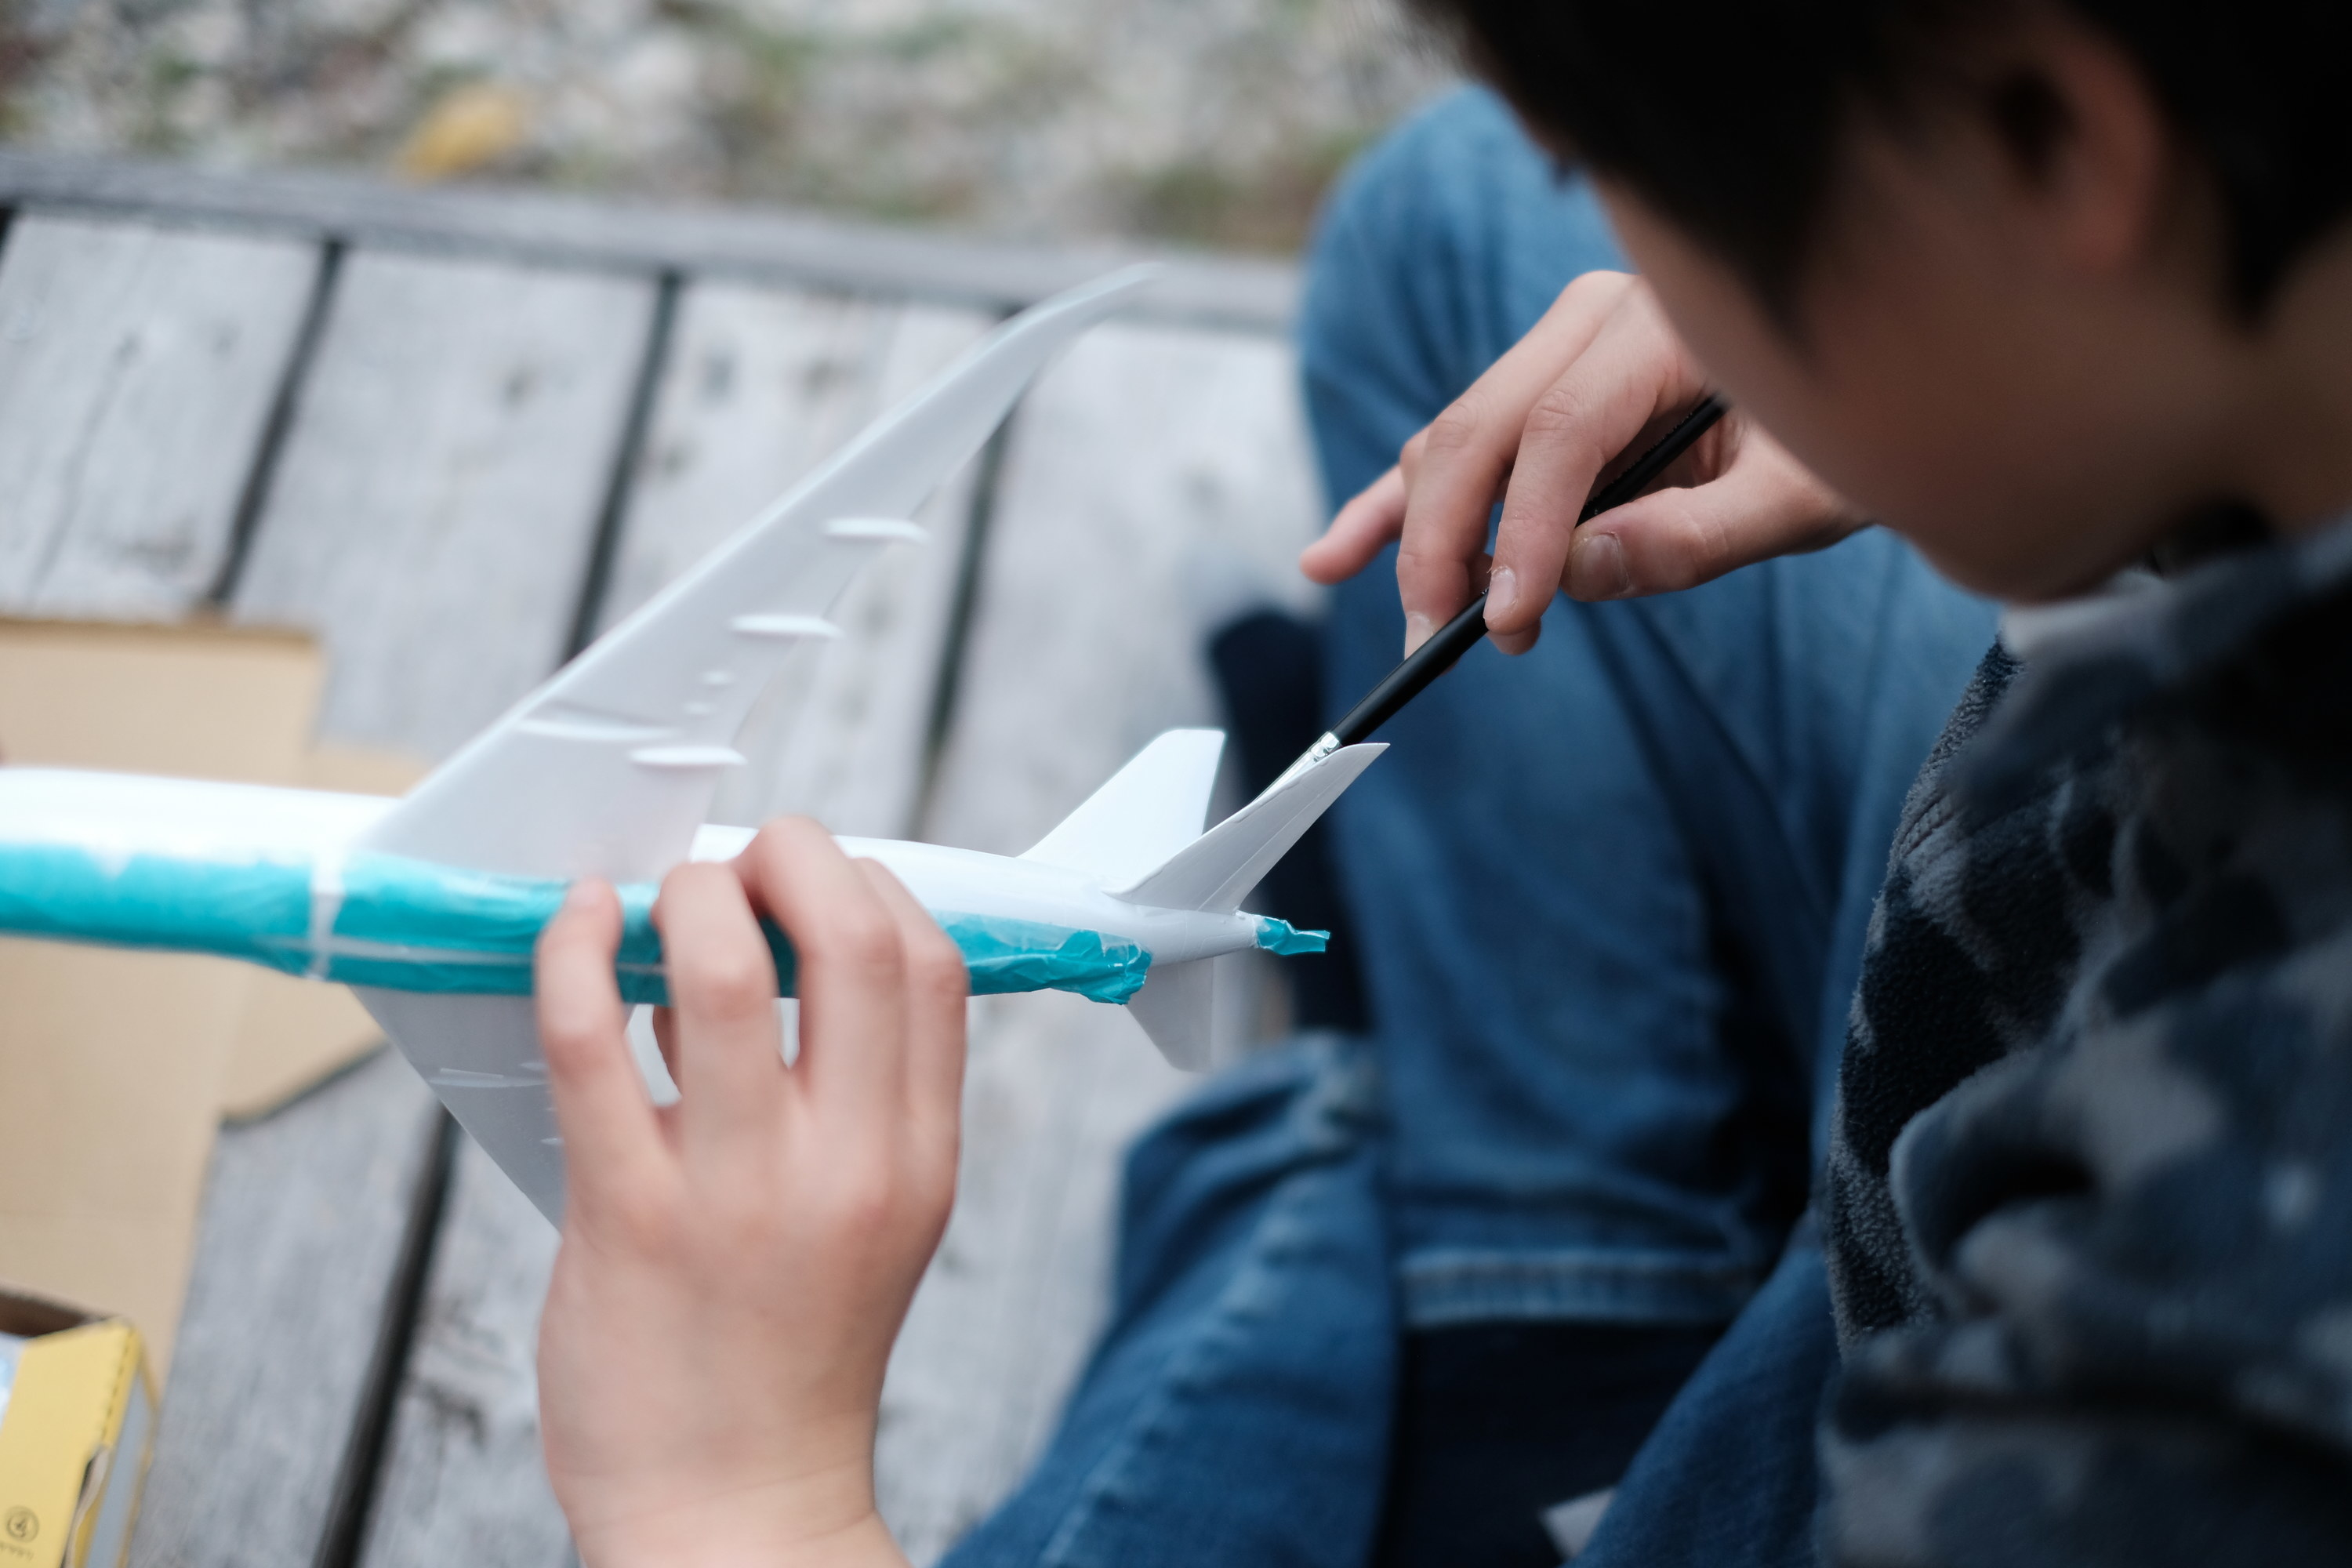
<point x="2082" y="133"/>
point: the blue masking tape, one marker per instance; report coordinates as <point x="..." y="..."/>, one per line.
<point x="258" y="913"/>
<point x="1282" y="938"/>
<point x="1006" y="956"/>
<point x="407" y="925"/>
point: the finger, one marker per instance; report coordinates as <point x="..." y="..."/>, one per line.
<point x="938" y="985"/>
<point x="601" y="1111"/>
<point x="1468" y="451"/>
<point x="852" y="969"/>
<point x="1766" y="504"/>
<point x="1634" y="374"/>
<point x="722" y="987"/>
<point x="1364" y="528"/>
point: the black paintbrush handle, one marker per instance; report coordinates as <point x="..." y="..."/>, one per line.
<point x="1459" y="635"/>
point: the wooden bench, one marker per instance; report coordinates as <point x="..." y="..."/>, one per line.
<point x="454" y="434"/>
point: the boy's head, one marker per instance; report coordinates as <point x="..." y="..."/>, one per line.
<point x="2029" y="278"/>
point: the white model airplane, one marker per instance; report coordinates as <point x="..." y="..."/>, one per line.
<point x="427" y="907"/>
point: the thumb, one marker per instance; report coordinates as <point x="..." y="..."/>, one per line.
<point x="1767" y="504"/>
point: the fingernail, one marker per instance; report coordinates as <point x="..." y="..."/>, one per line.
<point x="1600" y="568"/>
<point x="577" y="896"/>
<point x="1417" y="631"/>
<point x="1502" y="593"/>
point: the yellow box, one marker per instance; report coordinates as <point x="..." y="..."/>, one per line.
<point x="77" y="1423"/>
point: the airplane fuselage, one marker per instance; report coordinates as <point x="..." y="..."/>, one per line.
<point x="284" y="878"/>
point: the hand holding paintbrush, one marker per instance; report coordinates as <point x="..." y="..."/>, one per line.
<point x="1536" y="430"/>
<point x="1592" y="385"/>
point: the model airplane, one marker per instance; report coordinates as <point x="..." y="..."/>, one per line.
<point x="428" y="906"/>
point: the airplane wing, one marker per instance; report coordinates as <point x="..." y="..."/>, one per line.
<point x="608" y="769"/>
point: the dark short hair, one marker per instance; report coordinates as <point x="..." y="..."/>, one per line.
<point x="1730" y="115"/>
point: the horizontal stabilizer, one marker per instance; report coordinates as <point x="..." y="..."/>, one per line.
<point x="1217" y="870"/>
<point x="1178" y="1008"/>
<point x="1150" y="809"/>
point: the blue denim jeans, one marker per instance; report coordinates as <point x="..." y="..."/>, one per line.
<point x="1610" y="900"/>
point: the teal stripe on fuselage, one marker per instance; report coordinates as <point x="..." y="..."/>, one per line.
<point x="259" y="912"/>
<point x="407" y="925"/>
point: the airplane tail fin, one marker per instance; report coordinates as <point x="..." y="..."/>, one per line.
<point x="1140" y="833"/>
<point x="1216" y="870"/>
<point x="1177" y="1005"/>
<point x="1150" y="809"/>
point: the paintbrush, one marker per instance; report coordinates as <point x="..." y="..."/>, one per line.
<point x="1456" y="636"/>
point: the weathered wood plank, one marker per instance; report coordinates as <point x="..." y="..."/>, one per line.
<point x="463" y="1479"/>
<point x="431" y="518"/>
<point x="433" y="515"/>
<point x="305" y="1212"/>
<point x="545" y="229"/>
<point x="762" y="385"/>
<point x="1156" y="482"/>
<point x="150" y="362"/>
<point x="138" y="370"/>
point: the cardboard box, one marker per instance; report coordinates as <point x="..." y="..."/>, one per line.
<point x="77" y="1426"/>
<point x="133" y="1057"/>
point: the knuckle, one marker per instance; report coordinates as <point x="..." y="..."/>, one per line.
<point x="1458" y="429"/>
<point x="865" y="1195"/>
<point x="636" y="1211"/>
<point x="1561" y="415"/>
<point x="726" y="978"/>
<point x="1421" y="570"/>
<point x="865" y="940"/>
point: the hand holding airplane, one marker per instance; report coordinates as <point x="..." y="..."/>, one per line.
<point x="429" y="906"/>
<point x="736" y="1266"/>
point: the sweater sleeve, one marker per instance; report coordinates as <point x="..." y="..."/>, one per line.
<point x="2139" y="1244"/>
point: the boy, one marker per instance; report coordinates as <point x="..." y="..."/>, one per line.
<point x="2048" y="288"/>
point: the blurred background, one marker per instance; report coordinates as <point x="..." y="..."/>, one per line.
<point x="1207" y="121"/>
